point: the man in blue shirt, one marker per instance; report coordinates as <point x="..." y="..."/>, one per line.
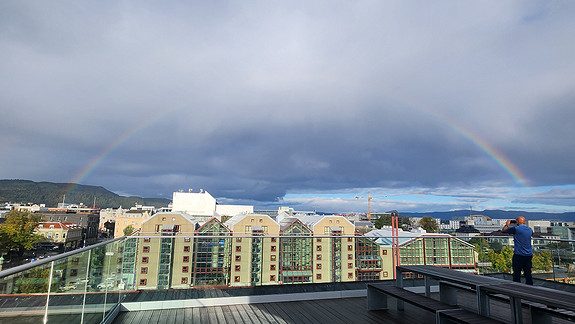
<point x="522" y="252"/>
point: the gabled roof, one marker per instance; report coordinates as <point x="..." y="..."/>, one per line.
<point x="213" y="219"/>
<point x="188" y="217"/>
<point x="312" y="220"/>
<point x="230" y="223"/>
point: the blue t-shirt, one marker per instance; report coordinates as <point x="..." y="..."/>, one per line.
<point x="522" y="239"/>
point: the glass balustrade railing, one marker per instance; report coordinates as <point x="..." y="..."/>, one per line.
<point x="86" y="285"/>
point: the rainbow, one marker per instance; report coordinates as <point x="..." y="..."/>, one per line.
<point x="106" y="151"/>
<point x="492" y="152"/>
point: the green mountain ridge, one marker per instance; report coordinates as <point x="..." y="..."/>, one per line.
<point x="49" y="193"/>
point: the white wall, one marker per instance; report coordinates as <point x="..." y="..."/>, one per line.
<point x="194" y="203"/>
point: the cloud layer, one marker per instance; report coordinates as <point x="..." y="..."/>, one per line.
<point x="255" y="100"/>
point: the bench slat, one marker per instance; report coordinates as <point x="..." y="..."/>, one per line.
<point x="442" y="310"/>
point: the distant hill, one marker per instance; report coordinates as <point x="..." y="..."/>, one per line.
<point x="565" y="217"/>
<point x="49" y="193"/>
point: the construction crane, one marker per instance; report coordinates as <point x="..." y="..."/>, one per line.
<point x="370" y="197"/>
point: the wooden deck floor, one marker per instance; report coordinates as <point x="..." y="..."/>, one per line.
<point x="348" y="310"/>
<point x="333" y="311"/>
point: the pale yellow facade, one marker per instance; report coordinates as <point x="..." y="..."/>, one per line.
<point x="254" y="260"/>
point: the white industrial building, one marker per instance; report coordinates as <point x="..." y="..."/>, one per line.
<point x="202" y="206"/>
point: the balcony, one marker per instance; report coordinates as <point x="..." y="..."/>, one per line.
<point x="101" y="284"/>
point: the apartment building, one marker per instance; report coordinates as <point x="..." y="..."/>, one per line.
<point x="255" y="250"/>
<point x="175" y="251"/>
<point x="66" y="235"/>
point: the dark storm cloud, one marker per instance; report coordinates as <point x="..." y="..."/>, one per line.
<point x="255" y="100"/>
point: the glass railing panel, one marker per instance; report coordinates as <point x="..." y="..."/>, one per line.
<point x="70" y="278"/>
<point x="23" y="295"/>
<point x="66" y="288"/>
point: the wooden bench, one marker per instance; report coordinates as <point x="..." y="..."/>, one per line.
<point x="377" y="300"/>
<point x="540" y="313"/>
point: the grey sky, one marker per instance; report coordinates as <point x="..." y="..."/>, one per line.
<point x="253" y="100"/>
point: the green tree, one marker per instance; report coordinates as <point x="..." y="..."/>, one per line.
<point x="35" y="281"/>
<point x="481" y="247"/>
<point x="128" y="230"/>
<point x="500" y="261"/>
<point x="542" y="260"/>
<point x="496" y="246"/>
<point x="429" y="224"/>
<point x="17" y="232"/>
<point x="383" y="220"/>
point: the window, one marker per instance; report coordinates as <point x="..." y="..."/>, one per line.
<point x="273" y="278"/>
<point x="238" y="258"/>
<point x="384" y="252"/>
<point x="158" y="228"/>
<point x="187" y="248"/>
<point x="146" y="249"/>
<point x="145" y="259"/>
<point x="120" y="260"/>
<point x="318" y="266"/>
<point x="350" y="265"/>
<point x="238" y="248"/>
<point x="350" y="239"/>
<point x="146" y="239"/>
<point x="318" y="276"/>
<point x="272" y="257"/>
<point x="238" y="239"/>
<point x="272" y="267"/>
<point x="184" y="280"/>
<point x="350" y="247"/>
<point x="144" y="270"/>
<point x="350" y="275"/>
<point x="273" y="248"/>
<point x="143" y="282"/>
<point x="318" y="248"/>
<point x="186" y="239"/>
<point x="75" y="261"/>
<point x="350" y="256"/>
<point x="318" y="257"/>
<point x="385" y="273"/>
<point x="73" y="272"/>
<point x="318" y="239"/>
<point x="186" y="259"/>
<point x="237" y="279"/>
<point x="237" y="268"/>
<point x="185" y="269"/>
<point x="274" y="239"/>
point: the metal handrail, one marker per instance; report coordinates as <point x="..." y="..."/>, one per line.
<point x="24" y="267"/>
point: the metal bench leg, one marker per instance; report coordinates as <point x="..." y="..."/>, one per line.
<point x="427" y="281"/>
<point x="482" y="302"/>
<point x="540" y="317"/>
<point x="376" y="299"/>
<point x="516" y="314"/>
<point x="399" y="283"/>
<point x="447" y="293"/>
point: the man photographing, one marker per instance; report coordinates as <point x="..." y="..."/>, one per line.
<point x="522" y="252"/>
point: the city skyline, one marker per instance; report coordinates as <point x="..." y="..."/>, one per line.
<point x="428" y="107"/>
